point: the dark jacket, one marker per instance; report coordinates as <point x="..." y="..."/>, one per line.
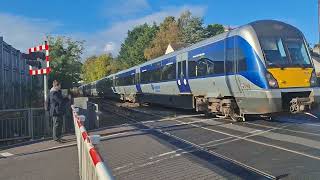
<point x="56" y="103"/>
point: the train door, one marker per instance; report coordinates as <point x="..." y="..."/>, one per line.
<point x="137" y="77"/>
<point x="182" y="74"/>
<point x="231" y="68"/>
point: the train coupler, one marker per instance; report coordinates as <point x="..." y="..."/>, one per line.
<point x="302" y="104"/>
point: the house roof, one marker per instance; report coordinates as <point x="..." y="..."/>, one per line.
<point x="177" y="46"/>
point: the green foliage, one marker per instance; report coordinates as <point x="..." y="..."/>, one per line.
<point x="169" y="32"/>
<point x="65" y="60"/>
<point x="132" y="50"/>
<point x="214" y="29"/>
<point x="96" y="68"/>
<point x="187" y="29"/>
<point x="192" y="28"/>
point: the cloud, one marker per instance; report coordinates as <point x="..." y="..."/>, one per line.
<point x="114" y="35"/>
<point x="109" y="47"/>
<point x="22" y="32"/>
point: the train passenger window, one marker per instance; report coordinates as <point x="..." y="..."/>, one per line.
<point x="144" y="77"/>
<point x="211" y="67"/>
<point x="169" y="72"/>
<point x="202" y="67"/>
<point x="192" y="67"/>
<point x="156" y="75"/>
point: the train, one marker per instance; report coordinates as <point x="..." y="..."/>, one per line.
<point x="261" y="68"/>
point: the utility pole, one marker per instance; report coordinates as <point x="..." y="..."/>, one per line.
<point x="319" y="21"/>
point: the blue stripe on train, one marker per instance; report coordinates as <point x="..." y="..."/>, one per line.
<point x="255" y="69"/>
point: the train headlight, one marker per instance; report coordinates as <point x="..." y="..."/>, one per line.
<point x="313" y="80"/>
<point x="271" y="81"/>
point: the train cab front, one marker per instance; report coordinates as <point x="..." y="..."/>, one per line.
<point x="290" y="73"/>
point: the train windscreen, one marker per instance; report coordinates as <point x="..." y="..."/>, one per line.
<point x="284" y="52"/>
<point x="282" y="44"/>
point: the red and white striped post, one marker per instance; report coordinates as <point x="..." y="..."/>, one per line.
<point x="44" y="71"/>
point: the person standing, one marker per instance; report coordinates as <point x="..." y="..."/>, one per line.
<point x="56" y="104"/>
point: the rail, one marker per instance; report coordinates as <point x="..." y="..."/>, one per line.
<point x="19" y="124"/>
<point x="91" y="165"/>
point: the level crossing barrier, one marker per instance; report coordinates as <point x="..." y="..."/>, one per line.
<point x="20" y="124"/>
<point x="91" y="165"/>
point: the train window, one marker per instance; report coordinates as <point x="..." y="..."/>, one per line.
<point x="145" y="77"/>
<point x="241" y="59"/>
<point x="202" y="67"/>
<point x="230" y="65"/>
<point x="298" y="52"/>
<point x="137" y="78"/>
<point x="169" y="72"/>
<point x="184" y="67"/>
<point x="192" y="67"/>
<point x="274" y="51"/>
<point x="211" y="67"/>
<point x="156" y="75"/>
<point x="132" y="82"/>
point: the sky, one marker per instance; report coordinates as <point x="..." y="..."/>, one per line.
<point x="103" y="24"/>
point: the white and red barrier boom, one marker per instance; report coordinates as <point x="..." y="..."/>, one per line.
<point x="44" y="47"/>
<point x="95" y="168"/>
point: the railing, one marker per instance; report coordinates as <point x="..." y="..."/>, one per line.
<point x="17" y="124"/>
<point x="91" y="165"/>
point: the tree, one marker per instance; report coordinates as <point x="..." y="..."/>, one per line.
<point x="191" y="28"/>
<point x="95" y="68"/>
<point x="184" y="19"/>
<point x="169" y="32"/>
<point x="65" y="60"/>
<point x="214" y="29"/>
<point x="132" y="49"/>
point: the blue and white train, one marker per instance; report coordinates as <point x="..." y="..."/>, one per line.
<point x="263" y="67"/>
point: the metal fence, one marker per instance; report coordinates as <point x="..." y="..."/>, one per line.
<point x="17" y="88"/>
<point x="19" y="124"/>
<point x="91" y="165"/>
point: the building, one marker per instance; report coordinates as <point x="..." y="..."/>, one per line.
<point x="17" y="88"/>
<point x="315" y="55"/>
<point x="174" y="47"/>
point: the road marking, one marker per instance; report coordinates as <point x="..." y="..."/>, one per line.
<point x="289" y="130"/>
<point x="6" y="154"/>
<point x="299" y="122"/>
<point x="258" y="142"/>
<point x="276" y="136"/>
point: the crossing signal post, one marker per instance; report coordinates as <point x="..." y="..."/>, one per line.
<point x="34" y="58"/>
